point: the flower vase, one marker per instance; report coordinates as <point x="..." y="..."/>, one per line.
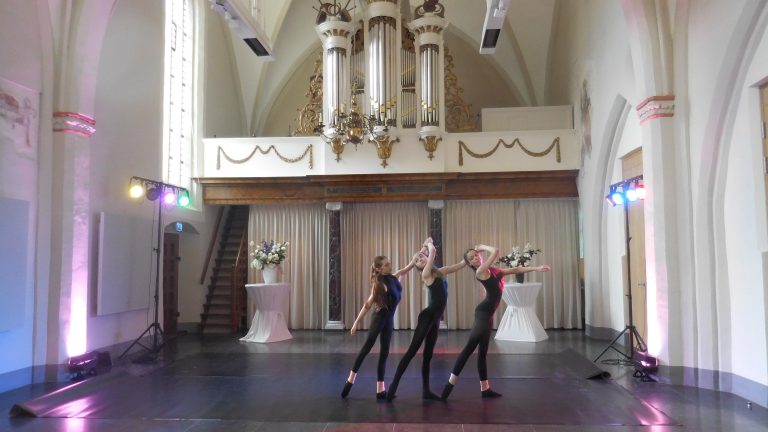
<point x="269" y="273"/>
<point x="520" y="277"/>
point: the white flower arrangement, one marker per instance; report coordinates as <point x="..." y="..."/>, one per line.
<point x="520" y="257"/>
<point x="267" y="253"/>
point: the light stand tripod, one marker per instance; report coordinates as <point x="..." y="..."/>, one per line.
<point x="154" y="330"/>
<point x="630" y="329"/>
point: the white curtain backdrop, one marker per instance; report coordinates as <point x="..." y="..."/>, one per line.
<point x="553" y="226"/>
<point x="548" y="224"/>
<point x="396" y="230"/>
<point x="306" y="267"/>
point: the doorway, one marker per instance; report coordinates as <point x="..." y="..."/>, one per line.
<point x="170" y="283"/>
<point x="632" y="166"/>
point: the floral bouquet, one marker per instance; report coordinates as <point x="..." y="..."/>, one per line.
<point x="520" y="257"/>
<point x="267" y="253"/>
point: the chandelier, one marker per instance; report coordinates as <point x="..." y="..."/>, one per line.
<point x="379" y="59"/>
<point x="352" y="128"/>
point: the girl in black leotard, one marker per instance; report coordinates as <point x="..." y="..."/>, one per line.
<point x="385" y="296"/>
<point x="492" y="279"/>
<point x="429" y="319"/>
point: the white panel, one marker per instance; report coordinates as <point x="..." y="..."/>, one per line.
<point x="14" y="224"/>
<point x="527" y="118"/>
<point x="126" y="261"/>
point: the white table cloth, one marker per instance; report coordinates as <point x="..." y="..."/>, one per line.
<point x="271" y="303"/>
<point x="519" y="322"/>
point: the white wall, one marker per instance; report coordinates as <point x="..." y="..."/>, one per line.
<point x="592" y="43"/>
<point x="717" y="315"/>
<point x="745" y="225"/>
<point x="21" y="41"/>
<point x="129" y="118"/>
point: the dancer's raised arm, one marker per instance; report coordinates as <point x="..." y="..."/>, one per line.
<point x="493" y="254"/>
<point x="399" y="274"/>
<point x="516" y="270"/>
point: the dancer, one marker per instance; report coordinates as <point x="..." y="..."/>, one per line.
<point x="492" y="279"/>
<point x="385" y="296"/>
<point x="429" y="319"/>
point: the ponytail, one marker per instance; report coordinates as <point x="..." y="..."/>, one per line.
<point x="378" y="289"/>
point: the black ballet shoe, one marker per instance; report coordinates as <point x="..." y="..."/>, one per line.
<point x="390" y="395"/>
<point x="489" y="394"/>
<point x="428" y="395"/>
<point x="383" y="396"/>
<point x="446" y="391"/>
<point x="347" y="388"/>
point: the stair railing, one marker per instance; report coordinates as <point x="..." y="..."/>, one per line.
<point x="215" y="235"/>
<point x="238" y="285"/>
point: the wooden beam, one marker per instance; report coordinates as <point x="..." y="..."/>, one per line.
<point x="390" y="187"/>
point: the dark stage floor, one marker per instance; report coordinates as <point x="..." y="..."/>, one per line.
<point x="220" y="384"/>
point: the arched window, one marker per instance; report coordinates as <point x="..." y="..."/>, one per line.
<point x="179" y="90"/>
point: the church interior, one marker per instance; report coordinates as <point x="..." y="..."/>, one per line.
<point x="212" y="209"/>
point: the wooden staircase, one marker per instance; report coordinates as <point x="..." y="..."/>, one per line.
<point x="223" y="312"/>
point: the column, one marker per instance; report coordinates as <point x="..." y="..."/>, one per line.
<point x="334" y="321"/>
<point x="436" y="228"/>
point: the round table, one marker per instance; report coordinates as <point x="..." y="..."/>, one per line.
<point x="520" y="322"/>
<point x="270" y="302"/>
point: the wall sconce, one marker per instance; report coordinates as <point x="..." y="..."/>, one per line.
<point x="430" y="144"/>
<point x="383" y="146"/>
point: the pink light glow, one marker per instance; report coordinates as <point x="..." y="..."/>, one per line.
<point x="77" y="323"/>
<point x="654" y="330"/>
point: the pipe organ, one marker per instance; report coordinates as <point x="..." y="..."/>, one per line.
<point x="380" y="75"/>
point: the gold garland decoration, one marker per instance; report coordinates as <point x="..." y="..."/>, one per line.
<point x="555" y="145"/>
<point x="264" y="152"/>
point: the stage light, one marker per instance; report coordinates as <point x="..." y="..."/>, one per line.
<point x="645" y="365"/>
<point x="183" y="199"/>
<point x="90" y="363"/>
<point x="631" y="194"/>
<point x="154" y="192"/>
<point x="169" y="198"/>
<point x="617" y="198"/>
<point x="136" y="191"/>
<point x="610" y="201"/>
<point x="640" y="188"/>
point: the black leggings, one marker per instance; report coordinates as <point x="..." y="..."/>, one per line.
<point x="426" y="332"/>
<point x="480" y="335"/>
<point x="382" y="323"/>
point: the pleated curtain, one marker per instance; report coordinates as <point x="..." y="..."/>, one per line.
<point x="306" y="267"/>
<point x="396" y="230"/>
<point x="553" y="226"/>
<point x="548" y="224"/>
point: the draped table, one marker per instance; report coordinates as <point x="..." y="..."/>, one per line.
<point x="271" y="302"/>
<point x="519" y="322"/>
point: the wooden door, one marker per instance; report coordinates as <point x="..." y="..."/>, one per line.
<point x="170" y="283"/>
<point x="632" y="166"/>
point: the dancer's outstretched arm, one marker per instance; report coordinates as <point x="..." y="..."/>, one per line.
<point x="516" y="270"/>
<point x="399" y="274"/>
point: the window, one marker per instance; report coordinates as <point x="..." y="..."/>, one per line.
<point x="179" y="66"/>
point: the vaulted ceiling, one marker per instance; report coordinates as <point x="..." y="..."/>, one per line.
<point x="522" y="55"/>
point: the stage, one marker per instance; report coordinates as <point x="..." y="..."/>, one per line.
<point x="224" y="384"/>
